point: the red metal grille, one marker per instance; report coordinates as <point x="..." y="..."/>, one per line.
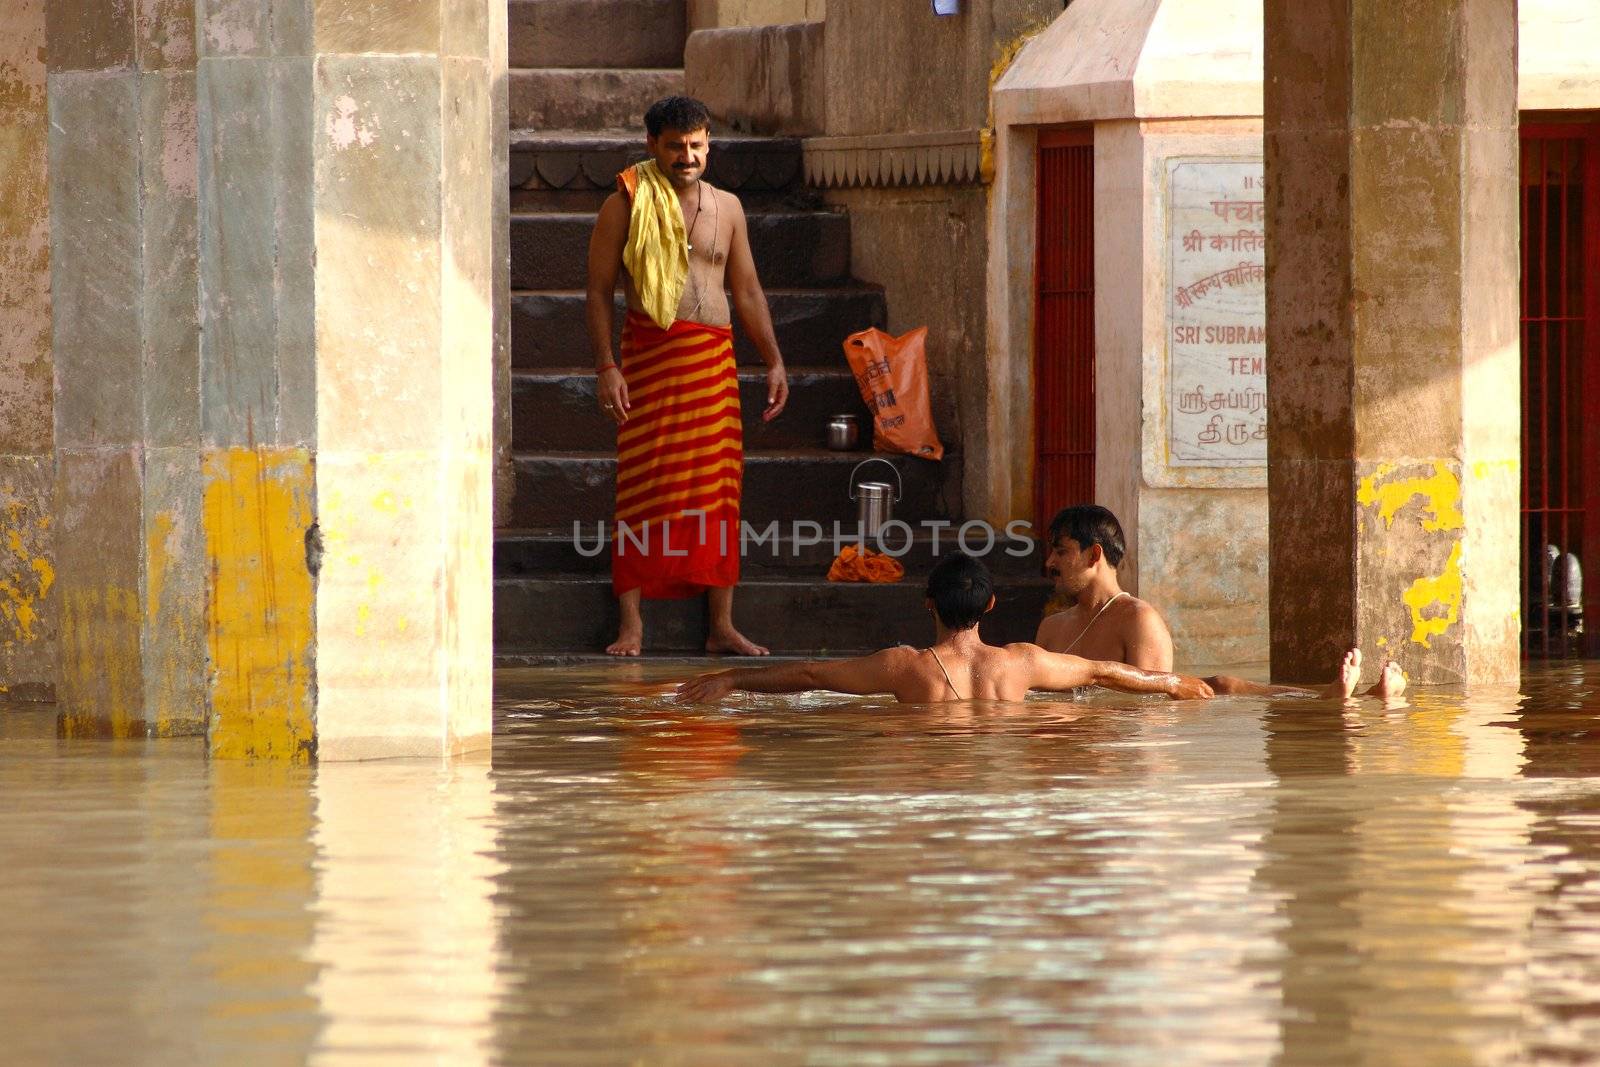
<point x="1560" y="388"/>
<point x="1063" y="346"/>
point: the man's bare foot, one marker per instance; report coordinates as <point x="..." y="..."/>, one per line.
<point x="1344" y="686"/>
<point x="1391" y="682"/>
<point x="732" y="642"/>
<point x="630" y="640"/>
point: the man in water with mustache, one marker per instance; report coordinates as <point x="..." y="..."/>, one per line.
<point x="1083" y="549"/>
<point x="674" y="393"/>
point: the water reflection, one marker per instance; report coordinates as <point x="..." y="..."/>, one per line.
<point x="405" y="936"/>
<point x="1399" y="860"/>
<point x="816" y="880"/>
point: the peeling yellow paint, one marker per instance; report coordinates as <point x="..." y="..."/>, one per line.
<point x="25" y="587"/>
<point x="257" y="508"/>
<point x="1445" y="590"/>
<point x="1004" y="57"/>
<point x="1485" y="467"/>
<point x="100" y="663"/>
<point x="158" y="557"/>
<point x="175" y="696"/>
<point x="1440" y="493"/>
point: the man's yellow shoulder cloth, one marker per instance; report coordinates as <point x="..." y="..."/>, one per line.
<point x="657" y="253"/>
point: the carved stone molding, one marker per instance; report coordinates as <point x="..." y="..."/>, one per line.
<point x="571" y="163"/>
<point x="946" y="157"/>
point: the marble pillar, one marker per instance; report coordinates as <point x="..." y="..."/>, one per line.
<point x="1392" y="358"/>
<point x="273" y="234"/>
<point x="27" y="565"/>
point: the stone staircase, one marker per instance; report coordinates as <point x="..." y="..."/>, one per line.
<point x="583" y="73"/>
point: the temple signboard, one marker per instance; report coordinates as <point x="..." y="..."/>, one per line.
<point x="1217" y="312"/>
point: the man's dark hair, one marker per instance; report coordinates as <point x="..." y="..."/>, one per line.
<point x="682" y="113"/>
<point x="1090" y="524"/>
<point x="960" y="588"/>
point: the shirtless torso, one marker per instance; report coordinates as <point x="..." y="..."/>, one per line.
<point x="932" y="675"/>
<point x="958" y="667"/>
<point x="714" y="221"/>
<point x="1118" y="627"/>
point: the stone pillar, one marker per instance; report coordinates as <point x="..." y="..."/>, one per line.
<point x="27" y="570"/>
<point x="124" y="296"/>
<point x="1393" y="361"/>
<point x="274" y="336"/>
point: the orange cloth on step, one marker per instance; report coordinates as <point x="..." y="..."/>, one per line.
<point x="856" y="564"/>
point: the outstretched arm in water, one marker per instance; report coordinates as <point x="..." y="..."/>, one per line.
<point x="860" y="676"/>
<point x="1057" y="671"/>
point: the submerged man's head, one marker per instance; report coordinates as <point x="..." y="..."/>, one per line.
<point x="1078" y="539"/>
<point x="960" y="590"/>
<point x="678" y="138"/>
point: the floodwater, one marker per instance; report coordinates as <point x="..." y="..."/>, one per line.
<point x="824" y="881"/>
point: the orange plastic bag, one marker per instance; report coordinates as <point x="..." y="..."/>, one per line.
<point x="855" y="564"/>
<point x="893" y="375"/>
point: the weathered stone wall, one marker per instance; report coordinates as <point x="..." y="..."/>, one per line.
<point x="897" y="67"/>
<point x="760" y="79"/>
<point x="907" y="106"/>
<point x="924" y="246"/>
<point x="712" y="14"/>
<point x="27" y="568"/>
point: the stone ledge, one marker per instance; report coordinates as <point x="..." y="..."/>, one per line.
<point x="760" y="79"/>
<point x="946" y="157"/>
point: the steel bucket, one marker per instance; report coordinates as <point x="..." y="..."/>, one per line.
<point x="875" y="501"/>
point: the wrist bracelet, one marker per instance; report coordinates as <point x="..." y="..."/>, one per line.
<point x="601" y="370"/>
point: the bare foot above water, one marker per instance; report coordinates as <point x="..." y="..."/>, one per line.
<point x="629" y="642"/>
<point x="1349" y="676"/>
<point x="1391" y="682"/>
<point x="732" y="642"/>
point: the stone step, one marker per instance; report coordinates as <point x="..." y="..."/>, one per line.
<point x="549" y="250"/>
<point x="559" y="412"/>
<point x="557" y="489"/>
<point x="552" y="552"/>
<point x="587" y="98"/>
<point x="548" y="330"/>
<point x="534" y="616"/>
<point x="596" y="33"/>
<point x="568" y="170"/>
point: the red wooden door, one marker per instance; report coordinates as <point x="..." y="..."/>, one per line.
<point x="1063" y="333"/>
<point x="1560" y="388"/>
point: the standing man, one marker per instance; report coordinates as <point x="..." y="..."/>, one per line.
<point x="674" y="392"/>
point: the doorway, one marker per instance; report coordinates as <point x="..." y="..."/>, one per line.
<point x="1560" y="205"/>
<point x="1063" y="339"/>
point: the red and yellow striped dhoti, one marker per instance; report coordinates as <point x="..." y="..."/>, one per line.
<point x="680" y="461"/>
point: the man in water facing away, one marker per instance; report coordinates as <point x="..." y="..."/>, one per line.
<point x="959" y="666"/>
<point x="1083" y="549"/>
